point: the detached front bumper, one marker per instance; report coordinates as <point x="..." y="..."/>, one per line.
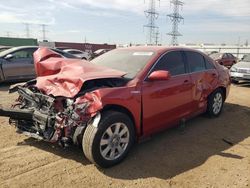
<point x="51" y="118"/>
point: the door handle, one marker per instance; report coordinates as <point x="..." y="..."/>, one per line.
<point x="186" y="82"/>
<point x="214" y="75"/>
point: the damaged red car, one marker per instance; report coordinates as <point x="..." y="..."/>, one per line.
<point x="118" y="98"/>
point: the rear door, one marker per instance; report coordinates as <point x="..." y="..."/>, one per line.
<point x="204" y="78"/>
<point x="20" y="66"/>
<point x="165" y="102"/>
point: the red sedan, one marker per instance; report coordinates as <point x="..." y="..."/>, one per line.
<point x="118" y="98"/>
<point x="226" y="59"/>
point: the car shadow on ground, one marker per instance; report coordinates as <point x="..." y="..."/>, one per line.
<point x="4" y="86"/>
<point x="173" y="152"/>
<point x="72" y="152"/>
<point x="243" y="84"/>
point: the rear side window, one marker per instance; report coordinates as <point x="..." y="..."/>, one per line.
<point x="172" y="62"/>
<point x="196" y="61"/>
<point x="209" y="65"/>
<point x="230" y="56"/>
<point x="224" y="56"/>
<point x="24" y="53"/>
<point x="75" y="52"/>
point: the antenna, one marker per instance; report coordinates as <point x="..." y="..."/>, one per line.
<point x="152" y="16"/>
<point x="175" y="18"/>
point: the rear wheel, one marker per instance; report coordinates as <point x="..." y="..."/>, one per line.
<point x="215" y="103"/>
<point x="109" y="143"/>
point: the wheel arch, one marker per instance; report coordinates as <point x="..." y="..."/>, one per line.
<point x="224" y="91"/>
<point x="122" y="109"/>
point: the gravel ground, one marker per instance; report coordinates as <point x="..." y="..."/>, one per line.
<point x="210" y="153"/>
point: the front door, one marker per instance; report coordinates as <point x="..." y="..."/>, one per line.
<point x="166" y="102"/>
<point x="20" y="66"/>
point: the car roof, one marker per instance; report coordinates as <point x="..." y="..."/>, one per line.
<point x="160" y="49"/>
<point x="23" y="47"/>
<point x="15" y="49"/>
<point x="71" y="49"/>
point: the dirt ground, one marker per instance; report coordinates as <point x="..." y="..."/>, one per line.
<point x="210" y="153"/>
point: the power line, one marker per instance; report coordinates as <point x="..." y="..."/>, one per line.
<point x="7" y="33"/>
<point x="44" y="31"/>
<point x="27" y="29"/>
<point x="157" y="37"/>
<point x="152" y="16"/>
<point x="175" y="18"/>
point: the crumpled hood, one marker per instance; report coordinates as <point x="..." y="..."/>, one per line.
<point x="242" y="64"/>
<point x="65" y="77"/>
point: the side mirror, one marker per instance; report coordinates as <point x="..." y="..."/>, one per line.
<point x="9" y="56"/>
<point x="159" y="75"/>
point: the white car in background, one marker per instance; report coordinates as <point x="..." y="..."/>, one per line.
<point x="79" y="53"/>
<point x="241" y="70"/>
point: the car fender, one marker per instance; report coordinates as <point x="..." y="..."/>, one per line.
<point x="126" y="98"/>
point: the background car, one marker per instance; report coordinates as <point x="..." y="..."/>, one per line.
<point x="241" y="70"/>
<point x="79" y="53"/>
<point x="99" y="52"/>
<point x="16" y="64"/>
<point x="226" y="59"/>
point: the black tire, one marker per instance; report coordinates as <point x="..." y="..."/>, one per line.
<point x="211" y="111"/>
<point x="93" y="135"/>
<point x="235" y="81"/>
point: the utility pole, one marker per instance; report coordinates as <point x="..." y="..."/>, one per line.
<point x="8" y="33"/>
<point x="175" y="18"/>
<point x="27" y="29"/>
<point x="157" y="37"/>
<point x="44" y="31"/>
<point x="152" y="16"/>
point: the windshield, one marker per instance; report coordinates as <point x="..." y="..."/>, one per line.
<point x="129" y="61"/>
<point x="216" y="56"/>
<point x="246" y="58"/>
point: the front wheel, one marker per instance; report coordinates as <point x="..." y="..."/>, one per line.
<point x="215" y="103"/>
<point x="109" y="143"/>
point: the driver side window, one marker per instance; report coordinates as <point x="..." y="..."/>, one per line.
<point x="172" y="62"/>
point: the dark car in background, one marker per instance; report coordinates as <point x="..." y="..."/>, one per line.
<point x="99" y="52"/>
<point x="226" y="59"/>
<point x="78" y="53"/>
<point x="16" y="64"/>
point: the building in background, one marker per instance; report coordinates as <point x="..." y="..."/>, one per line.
<point x="8" y="41"/>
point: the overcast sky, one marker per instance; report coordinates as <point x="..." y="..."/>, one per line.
<point x="121" y="21"/>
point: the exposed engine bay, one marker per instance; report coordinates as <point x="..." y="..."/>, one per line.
<point x="53" y="119"/>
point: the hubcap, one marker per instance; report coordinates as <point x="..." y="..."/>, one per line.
<point x="217" y="103"/>
<point x="114" y="141"/>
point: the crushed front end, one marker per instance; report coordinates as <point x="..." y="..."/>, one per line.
<point x="52" y="118"/>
